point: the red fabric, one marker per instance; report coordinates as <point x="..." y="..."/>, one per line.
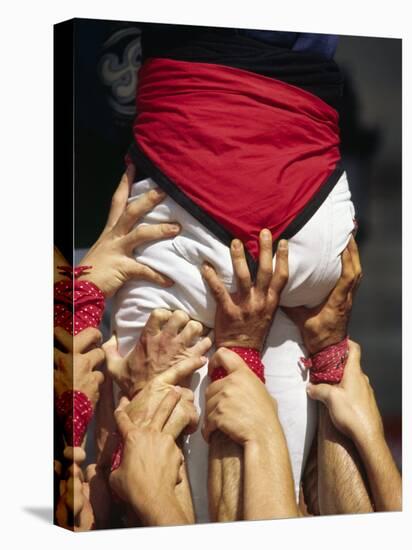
<point x="251" y="151"/>
<point x="78" y="304"/>
<point x="75" y="410"/>
<point x="250" y="356"/>
<point x="327" y="365"/>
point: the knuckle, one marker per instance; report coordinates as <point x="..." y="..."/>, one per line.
<point x="181" y="316"/>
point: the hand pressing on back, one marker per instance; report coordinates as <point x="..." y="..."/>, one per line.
<point x="111" y="257"/>
<point x="243" y="318"/>
<point x="167" y="340"/>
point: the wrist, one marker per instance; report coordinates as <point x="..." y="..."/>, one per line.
<point x="152" y="506"/>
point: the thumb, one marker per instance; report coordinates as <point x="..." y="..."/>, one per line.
<point x="319" y="392"/>
<point x="113" y="358"/>
<point x="226" y="359"/>
<point x="297" y="314"/>
<point x="173" y="375"/>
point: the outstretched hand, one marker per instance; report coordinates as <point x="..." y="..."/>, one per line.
<point x="111" y="257"/>
<point x="327" y="324"/>
<point x="167" y="340"/>
<point x="244" y="317"/>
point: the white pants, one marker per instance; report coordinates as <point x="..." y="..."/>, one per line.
<point x="314" y="267"/>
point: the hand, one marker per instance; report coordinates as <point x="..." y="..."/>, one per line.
<point x="327" y="323"/>
<point x="74" y="367"/>
<point x="184" y="417"/>
<point x="111" y="257"/>
<point x="151" y="462"/>
<point x="351" y="403"/>
<point x="73" y="509"/>
<point x="167" y="340"/>
<point x="244" y="317"/>
<point x="239" y="404"/>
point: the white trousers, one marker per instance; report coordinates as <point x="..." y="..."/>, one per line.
<point x="314" y="268"/>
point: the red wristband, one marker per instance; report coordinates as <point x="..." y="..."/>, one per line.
<point x="327" y="365"/>
<point x="77" y="304"/>
<point x="75" y="410"/>
<point x="250" y="356"/>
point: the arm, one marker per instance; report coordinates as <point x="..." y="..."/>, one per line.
<point x="151" y="466"/>
<point x="240" y="407"/>
<point x="354" y="413"/>
<point x="341" y="483"/>
<point x="242" y="320"/>
<point x="164" y="356"/>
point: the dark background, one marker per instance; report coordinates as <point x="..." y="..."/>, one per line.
<point x="107" y="59"/>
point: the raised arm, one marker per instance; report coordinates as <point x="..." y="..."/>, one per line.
<point x="240" y="406"/>
<point x="242" y="322"/>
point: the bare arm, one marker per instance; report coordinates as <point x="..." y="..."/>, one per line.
<point x="242" y="319"/>
<point x="383" y="475"/>
<point x="342" y="483"/>
<point x="354" y="413"/>
<point x="240" y="407"/>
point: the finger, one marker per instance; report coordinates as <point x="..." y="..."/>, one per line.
<point x="61" y="359"/>
<point x="190" y="332"/>
<point x="177" y="321"/>
<point x="136" y="270"/>
<point x="147" y="233"/>
<point x="98" y="377"/>
<point x="193" y="419"/>
<point x="319" y="392"/>
<point x="214" y="388"/>
<point x="174" y="374"/>
<point x="217" y="288"/>
<point x="353" y="363"/>
<point x="136" y="209"/>
<point x="208" y="428"/>
<point x="201" y="347"/>
<point x="281" y="274"/>
<point x="227" y="359"/>
<point x="240" y="266"/>
<point x="346" y="281"/>
<point x="124" y="424"/>
<point x="165" y="409"/>
<point x="265" y="271"/>
<point x="123" y="403"/>
<point x="356" y="262"/>
<point x="113" y="358"/>
<point x="298" y="314"/>
<point x="158" y="318"/>
<point x="119" y="199"/>
<point x="63" y="338"/>
<point x="90" y="337"/>
<point x="96" y="357"/>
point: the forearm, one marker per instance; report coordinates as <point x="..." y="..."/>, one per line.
<point x="225" y="478"/>
<point x="184" y="495"/>
<point x="383" y="475"/>
<point x="342" y="484"/>
<point x="268" y="487"/>
<point x="164" y="510"/>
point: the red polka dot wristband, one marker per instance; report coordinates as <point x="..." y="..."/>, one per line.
<point x="250" y="356"/>
<point x="75" y="411"/>
<point x="77" y="304"/>
<point x="327" y="365"/>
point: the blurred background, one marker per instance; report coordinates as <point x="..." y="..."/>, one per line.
<point x="107" y="59"/>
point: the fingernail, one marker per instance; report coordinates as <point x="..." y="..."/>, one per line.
<point x="174" y="227"/>
<point x="158" y="193"/>
<point x="283" y="244"/>
<point x="206" y="266"/>
<point x="236" y="244"/>
<point x="203" y="359"/>
<point x="266" y="234"/>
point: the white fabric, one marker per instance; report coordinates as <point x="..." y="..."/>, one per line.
<point x="314" y="267"/>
